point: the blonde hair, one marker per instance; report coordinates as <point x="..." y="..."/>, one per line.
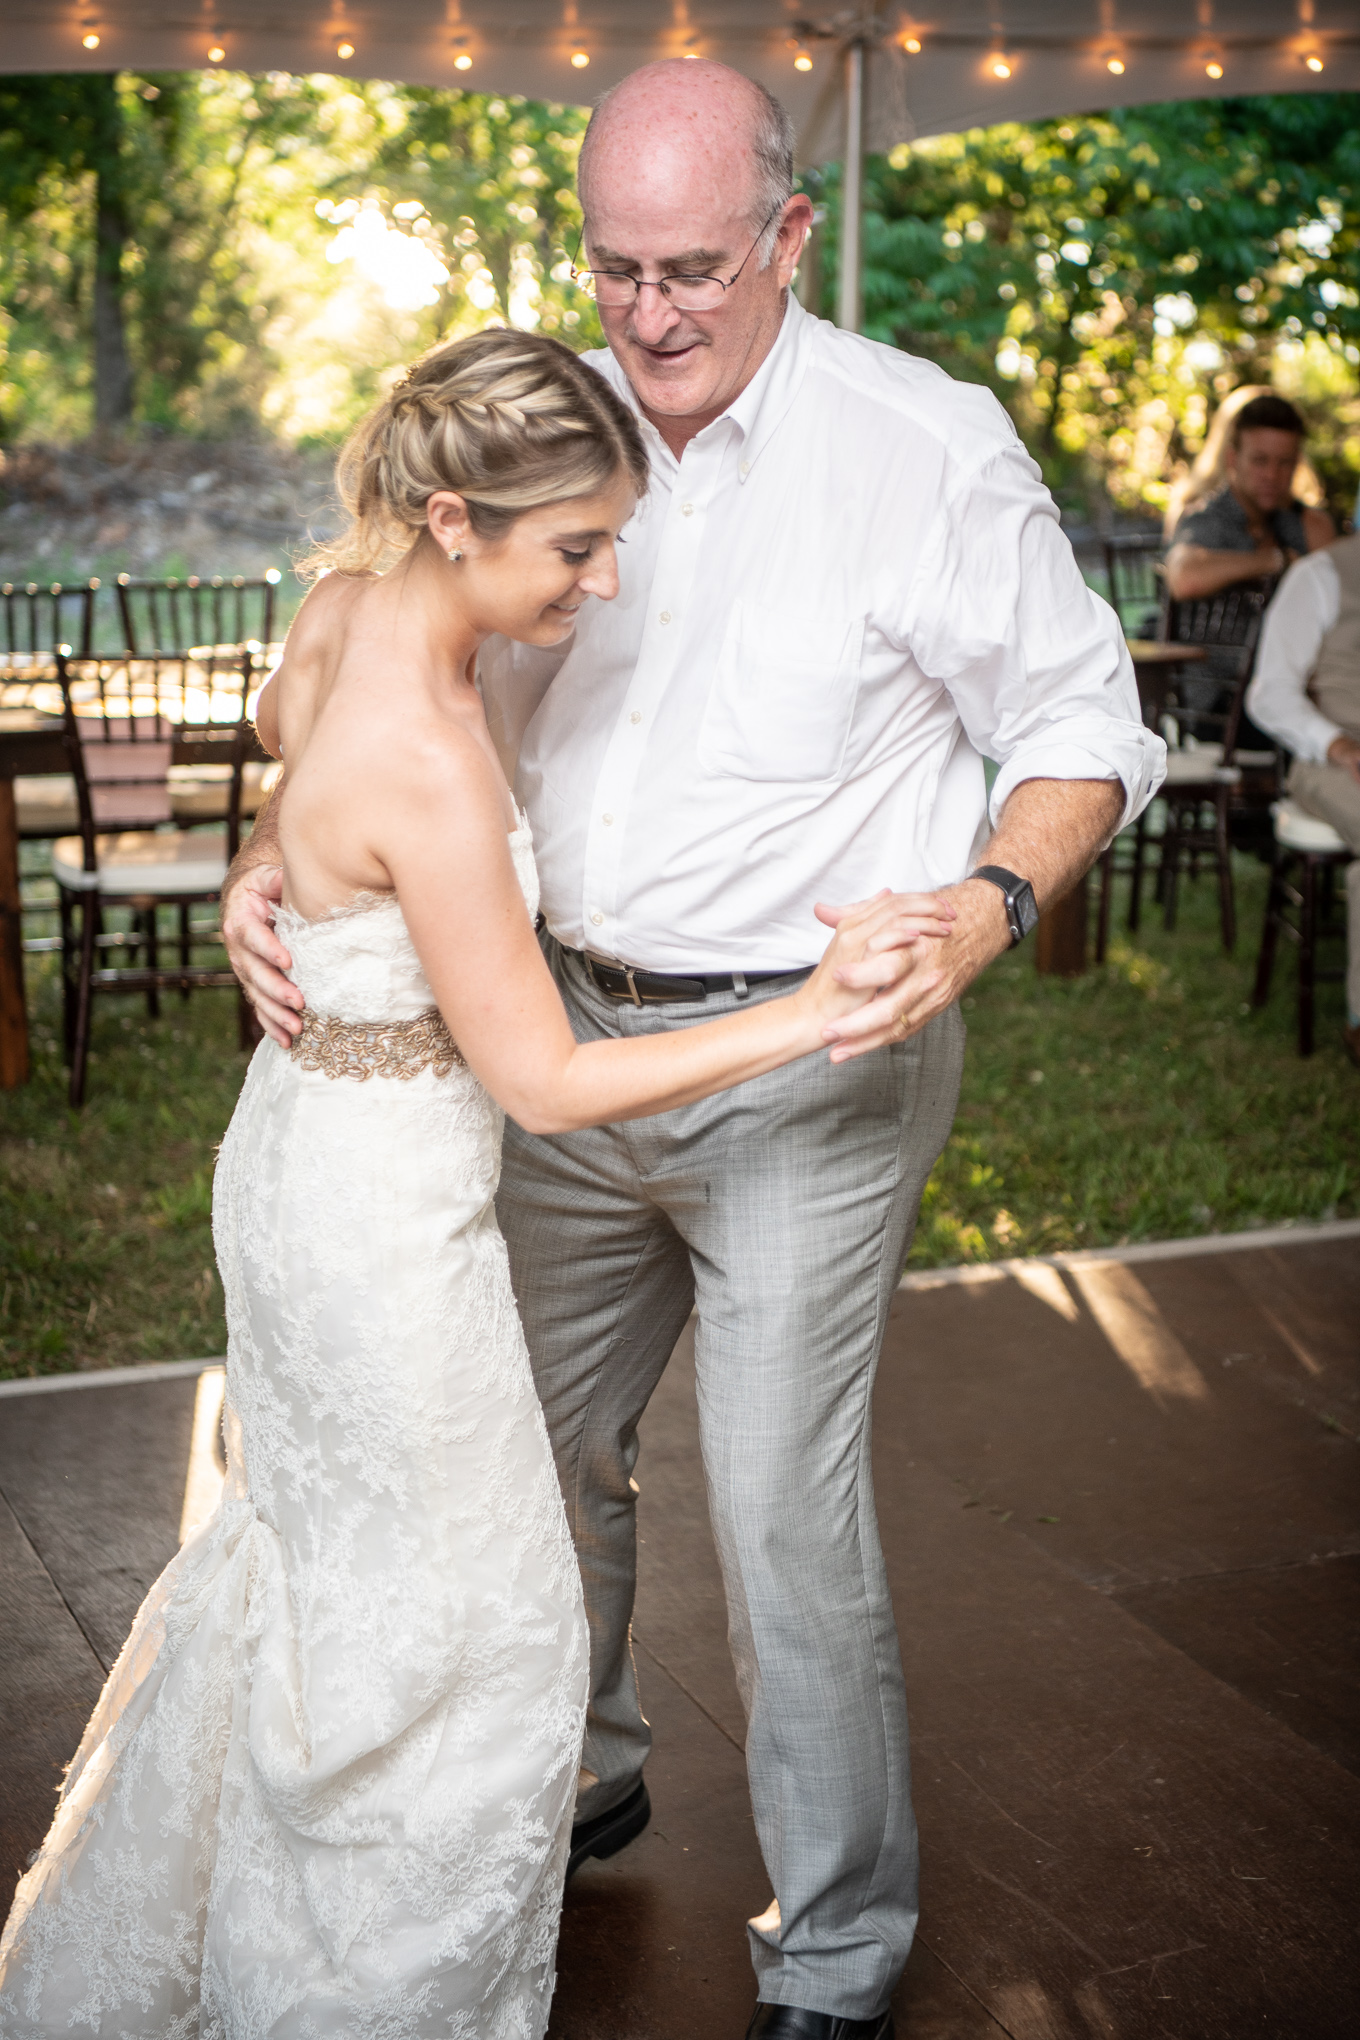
<point x="1209" y="471"/>
<point x="510" y="421"/>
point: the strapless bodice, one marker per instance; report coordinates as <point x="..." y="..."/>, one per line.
<point x="359" y="963"/>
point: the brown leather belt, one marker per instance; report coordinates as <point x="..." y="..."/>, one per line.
<point x="654" y="987"/>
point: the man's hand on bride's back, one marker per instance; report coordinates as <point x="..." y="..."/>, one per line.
<point x="868" y="945"/>
<point x="257" y="956"/>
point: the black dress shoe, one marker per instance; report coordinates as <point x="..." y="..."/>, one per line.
<point x="791" y="2022"/>
<point x="610" y="1832"/>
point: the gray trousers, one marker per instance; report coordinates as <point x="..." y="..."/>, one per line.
<point x="783" y="1210"/>
<point x="1331" y="792"/>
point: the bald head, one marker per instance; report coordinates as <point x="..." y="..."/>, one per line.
<point x="690" y="126"/>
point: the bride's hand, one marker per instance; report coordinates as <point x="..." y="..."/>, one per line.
<point x="865" y="953"/>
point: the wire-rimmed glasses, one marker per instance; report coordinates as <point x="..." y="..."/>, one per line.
<point x="616" y="289"/>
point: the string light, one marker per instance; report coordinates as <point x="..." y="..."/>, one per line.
<point x="91" y="42"/>
<point x="1314" y="62"/>
<point x="462" y="62"/>
<point x="579" y="59"/>
<point x="1213" y="69"/>
<point x="1115" y="64"/>
<point x="802" y="62"/>
<point x="344" y="50"/>
<point x="217" y="55"/>
<point x="1000" y="67"/>
<point x="912" y="45"/>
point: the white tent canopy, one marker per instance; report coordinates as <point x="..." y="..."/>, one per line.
<point x="866" y="75"/>
<point x="1055" y="54"/>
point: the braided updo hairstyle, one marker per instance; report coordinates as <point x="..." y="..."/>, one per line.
<point x="510" y="421"/>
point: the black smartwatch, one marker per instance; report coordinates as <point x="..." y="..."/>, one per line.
<point x="1022" y="911"/>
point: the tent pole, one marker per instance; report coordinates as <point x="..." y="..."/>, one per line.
<point x="849" y="281"/>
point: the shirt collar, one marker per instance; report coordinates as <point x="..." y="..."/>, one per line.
<point x="758" y="411"/>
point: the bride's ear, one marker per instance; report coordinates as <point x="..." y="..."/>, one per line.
<point x="446" y="515"/>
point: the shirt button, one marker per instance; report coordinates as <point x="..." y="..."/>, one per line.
<point x="636" y="716"/>
<point x="745" y="469"/>
<point x="607" y="820"/>
<point x="665" y="616"/>
<point x="597" y="920"/>
<point x="686" y="509"/>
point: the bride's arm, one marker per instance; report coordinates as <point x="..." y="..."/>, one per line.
<point x="442" y="835"/>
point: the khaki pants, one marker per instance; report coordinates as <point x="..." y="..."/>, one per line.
<point x="1332" y="793"/>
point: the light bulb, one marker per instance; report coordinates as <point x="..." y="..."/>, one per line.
<point x="579" y="59"/>
<point x="802" y="62"/>
<point x="1115" y="64"/>
<point x="217" y="55"/>
<point x="462" y="62"/>
<point x="91" y="42"/>
<point x="1000" y="68"/>
<point x="344" y="50"/>
<point x="1213" y="70"/>
<point x="691" y="56"/>
<point x="912" y="45"/>
<point x="1314" y="63"/>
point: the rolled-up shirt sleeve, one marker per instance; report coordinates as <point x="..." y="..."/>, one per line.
<point x="1305" y="608"/>
<point x="1033" y="659"/>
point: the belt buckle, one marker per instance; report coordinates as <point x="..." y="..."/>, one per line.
<point x="632" y="984"/>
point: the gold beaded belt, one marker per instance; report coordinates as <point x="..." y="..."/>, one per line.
<point x="376" y="1048"/>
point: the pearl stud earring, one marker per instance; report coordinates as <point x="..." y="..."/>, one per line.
<point x="455" y="552"/>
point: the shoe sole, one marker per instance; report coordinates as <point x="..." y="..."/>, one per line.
<point x="632" y="1819"/>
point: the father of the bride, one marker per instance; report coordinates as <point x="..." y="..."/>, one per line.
<point x="846" y="588"/>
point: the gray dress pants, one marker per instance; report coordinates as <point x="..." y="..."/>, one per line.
<point x="783" y="1211"/>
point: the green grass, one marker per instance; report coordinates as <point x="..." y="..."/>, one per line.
<point x="1144" y="1100"/>
<point x="1139" y="1102"/>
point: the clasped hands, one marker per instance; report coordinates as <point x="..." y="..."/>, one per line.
<point x="907" y="956"/>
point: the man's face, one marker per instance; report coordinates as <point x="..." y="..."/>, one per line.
<point x="1261" y="467"/>
<point x="690" y="365"/>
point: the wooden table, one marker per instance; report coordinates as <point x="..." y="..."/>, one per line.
<point x="33" y="744"/>
<point x="1154" y="668"/>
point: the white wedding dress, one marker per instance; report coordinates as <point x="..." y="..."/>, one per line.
<point x="328" y="1788"/>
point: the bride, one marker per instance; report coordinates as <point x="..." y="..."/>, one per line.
<point x="328" y="1788"/>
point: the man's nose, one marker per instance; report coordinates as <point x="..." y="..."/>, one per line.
<point x="654" y="316"/>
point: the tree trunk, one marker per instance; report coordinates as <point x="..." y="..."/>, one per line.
<point x="112" y="369"/>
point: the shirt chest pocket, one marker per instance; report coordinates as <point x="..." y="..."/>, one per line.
<point x="783" y="696"/>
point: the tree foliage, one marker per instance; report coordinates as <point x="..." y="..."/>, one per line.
<point x="1111" y="275"/>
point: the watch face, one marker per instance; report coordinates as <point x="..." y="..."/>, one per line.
<point x="1026" y="907"/>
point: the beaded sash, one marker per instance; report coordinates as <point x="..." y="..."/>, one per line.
<point x="376" y="1048"/>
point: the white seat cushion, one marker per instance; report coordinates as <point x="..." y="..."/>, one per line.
<point x="47" y="806"/>
<point x="144" y="861"/>
<point x="1298" y="830"/>
<point x="199" y="793"/>
<point x="1202" y="766"/>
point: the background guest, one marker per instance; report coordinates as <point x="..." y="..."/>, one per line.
<point x="1306" y="693"/>
<point x="1254" y="525"/>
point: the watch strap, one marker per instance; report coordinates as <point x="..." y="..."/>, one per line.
<point x="1010" y="885"/>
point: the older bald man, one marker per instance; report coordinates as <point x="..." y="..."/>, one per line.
<point x="846" y="588"/>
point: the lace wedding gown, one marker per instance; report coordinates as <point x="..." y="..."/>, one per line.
<point x="328" y="1788"/>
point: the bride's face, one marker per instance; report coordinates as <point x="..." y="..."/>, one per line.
<point x="530" y="583"/>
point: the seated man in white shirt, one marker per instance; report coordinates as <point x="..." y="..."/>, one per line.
<point x="1306" y="694"/>
<point x="846" y="587"/>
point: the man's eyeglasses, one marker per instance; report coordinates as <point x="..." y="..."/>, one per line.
<point x="615" y="288"/>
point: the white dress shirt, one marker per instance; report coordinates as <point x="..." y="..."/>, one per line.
<point x="1305" y="607"/>
<point x="849" y="589"/>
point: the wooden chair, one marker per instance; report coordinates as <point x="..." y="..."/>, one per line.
<point x="1206" y="768"/>
<point x="1313" y="846"/>
<point x="34" y="620"/>
<point x="174" y="619"/>
<point x="1133" y="567"/>
<point x="122" y="722"/>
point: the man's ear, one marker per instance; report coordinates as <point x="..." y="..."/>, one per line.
<point x="793" y="232"/>
<point x="446" y="516"/>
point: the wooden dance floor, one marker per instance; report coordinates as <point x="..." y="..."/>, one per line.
<point x="1120" y="1503"/>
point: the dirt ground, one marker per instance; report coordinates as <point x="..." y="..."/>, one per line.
<point x="159" y="505"/>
